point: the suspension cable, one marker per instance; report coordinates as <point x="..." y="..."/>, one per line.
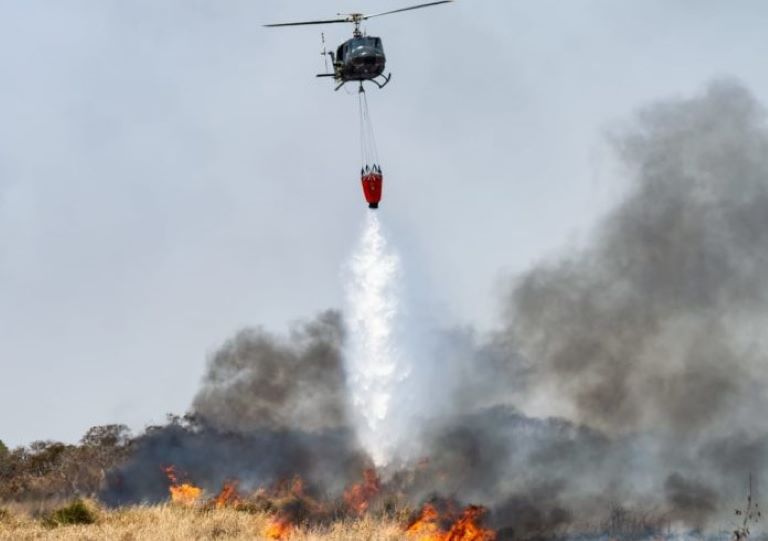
<point x="362" y="130"/>
<point x="368" y="148"/>
<point x="372" y="133"/>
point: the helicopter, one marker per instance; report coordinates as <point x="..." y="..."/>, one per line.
<point x="360" y="58"/>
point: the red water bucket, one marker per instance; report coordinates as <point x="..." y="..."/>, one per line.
<point x="372" y="184"/>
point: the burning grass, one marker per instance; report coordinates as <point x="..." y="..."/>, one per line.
<point x="182" y="493"/>
<point x="282" y="512"/>
<point x="366" y="511"/>
<point x="292" y="512"/>
<point x="432" y="525"/>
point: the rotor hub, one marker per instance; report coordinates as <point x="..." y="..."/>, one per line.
<point x="356" y="19"/>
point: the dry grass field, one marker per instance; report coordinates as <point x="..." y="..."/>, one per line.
<point x="175" y="522"/>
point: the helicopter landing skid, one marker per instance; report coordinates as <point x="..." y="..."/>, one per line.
<point x="385" y="78"/>
<point x="385" y="83"/>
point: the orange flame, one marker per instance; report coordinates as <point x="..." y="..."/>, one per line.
<point x="358" y="497"/>
<point x="182" y="493"/>
<point x="279" y="528"/>
<point x="426" y="528"/>
<point x="227" y="496"/>
<point x="170" y="472"/>
<point x="465" y="528"/>
<point x="185" y="494"/>
<point x="297" y="486"/>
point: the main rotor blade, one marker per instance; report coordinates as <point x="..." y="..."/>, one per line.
<point x="407" y="9"/>
<point x="328" y="21"/>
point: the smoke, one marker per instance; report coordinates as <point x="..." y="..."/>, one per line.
<point x="208" y="457"/>
<point x="693" y="500"/>
<point x="648" y="344"/>
<point x="656" y="326"/>
<point x="374" y="363"/>
<point x="269" y="408"/>
<point x="256" y="380"/>
<point x="645" y="350"/>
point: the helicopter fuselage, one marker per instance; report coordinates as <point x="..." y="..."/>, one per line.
<point x="360" y="58"/>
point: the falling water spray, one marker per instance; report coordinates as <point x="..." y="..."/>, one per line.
<point x="374" y="362"/>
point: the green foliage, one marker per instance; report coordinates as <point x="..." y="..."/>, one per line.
<point x="3" y="450"/>
<point x="74" y="513"/>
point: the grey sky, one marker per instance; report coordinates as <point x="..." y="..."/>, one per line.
<point x="171" y="172"/>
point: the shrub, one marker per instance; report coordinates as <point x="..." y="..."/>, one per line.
<point x="74" y="513"/>
<point x="49" y="469"/>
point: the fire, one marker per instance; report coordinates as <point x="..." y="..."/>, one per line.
<point x="465" y="528"/>
<point x="436" y="522"/>
<point x="293" y="486"/>
<point x="297" y="486"/>
<point x="426" y="528"/>
<point x="227" y="496"/>
<point x="185" y="494"/>
<point x="358" y="497"/>
<point x="182" y="493"/>
<point x="279" y="528"/>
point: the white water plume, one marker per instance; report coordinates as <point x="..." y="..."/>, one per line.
<point x="374" y="364"/>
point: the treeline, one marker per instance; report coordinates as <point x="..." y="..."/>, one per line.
<point x="50" y="469"/>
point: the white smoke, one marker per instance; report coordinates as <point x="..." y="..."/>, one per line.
<point x="374" y="362"/>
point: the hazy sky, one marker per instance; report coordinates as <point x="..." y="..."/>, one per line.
<point x="170" y="171"/>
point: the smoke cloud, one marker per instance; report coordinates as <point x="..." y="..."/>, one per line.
<point x="647" y="344"/>
<point x="645" y="348"/>
<point x="656" y="326"/>
<point x="269" y="408"/>
<point x="257" y="380"/>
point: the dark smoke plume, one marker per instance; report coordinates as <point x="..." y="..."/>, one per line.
<point x="658" y="324"/>
<point x="649" y="341"/>
<point x="693" y="500"/>
<point x="257" y="380"/>
<point x="326" y="461"/>
<point x="269" y="408"/>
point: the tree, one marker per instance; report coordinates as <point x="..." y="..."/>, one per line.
<point x="106" y="436"/>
